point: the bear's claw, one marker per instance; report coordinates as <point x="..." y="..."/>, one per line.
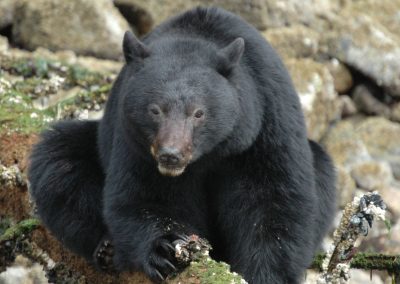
<point x="103" y="256"/>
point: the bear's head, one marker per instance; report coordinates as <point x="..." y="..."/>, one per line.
<point x="178" y="101"/>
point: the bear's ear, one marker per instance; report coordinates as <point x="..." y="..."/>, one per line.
<point x="133" y="48"/>
<point x="230" y="55"/>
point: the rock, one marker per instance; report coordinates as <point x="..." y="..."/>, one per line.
<point x="314" y="85"/>
<point x="391" y="196"/>
<point x="253" y="11"/>
<point x="99" y="65"/>
<point x="385" y="242"/>
<point x="381" y="138"/>
<point x="311" y="277"/>
<point x="91" y="27"/>
<point x="10" y="177"/>
<point x="372" y="175"/>
<point x="360" y="139"/>
<point x="365" y="102"/>
<point x="24" y="271"/>
<point x="3" y="45"/>
<point x="294" y="41"/>
<point x="342" y="77"/>
<point x="309" y="12"/>
<point x="369" y="42"/>
<point x="144" y="14"/>
<point x="94" y="64"/>
<point x="361" y="277"/>
<point x="395" y="112"/>
<point x="347" y="106"/>
<point x="6" y="13"/>
<point x="346" y="187"/>
<point x="345" y="148"/>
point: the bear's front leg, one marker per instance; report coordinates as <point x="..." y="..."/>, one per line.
<point x="144" y="227"/>
<point x="144" y="237"/>
<point x="267" y="227"/>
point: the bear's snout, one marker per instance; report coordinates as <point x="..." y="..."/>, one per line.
<point x="172" y="148"/>
<point x="170" y="156"/>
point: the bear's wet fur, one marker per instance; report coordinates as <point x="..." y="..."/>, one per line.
<point x="202" y="134"/>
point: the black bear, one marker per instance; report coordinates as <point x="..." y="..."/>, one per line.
<point x="202" y="134"/>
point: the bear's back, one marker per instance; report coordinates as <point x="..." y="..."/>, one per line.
<point x="214" y="25"/>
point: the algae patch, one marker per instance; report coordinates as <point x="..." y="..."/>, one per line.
<point x="37" y="91"/>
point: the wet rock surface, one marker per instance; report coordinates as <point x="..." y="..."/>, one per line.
<point x="91" y="27"/>
<point x="318" y="98"/>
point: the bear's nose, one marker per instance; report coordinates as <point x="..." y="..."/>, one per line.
<point x="169" y="156"/>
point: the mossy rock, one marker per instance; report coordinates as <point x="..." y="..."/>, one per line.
<point x="25" y="80"/>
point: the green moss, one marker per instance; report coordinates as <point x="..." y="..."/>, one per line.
<point x="5" y="223"/>
<point x="207" y="270"/>
<point x="92" y="100"/>
<point x="37" y="67"/>
<point x="17" y="112"/>
<point x="22" y="228"/>
<point x="210" y="271"/>
<point x="79" y="76"/>
<point x="28" y="86"/>
<point x="317" y="261"/>
<point x="368" y="261"/>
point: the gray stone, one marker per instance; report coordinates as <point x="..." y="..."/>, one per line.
<point x="381" y="137"/>
<point x="342" y="77"/>
<point x="369" y="42"/>
<point x="25" y="272"/>
<point x="6" y="12"/>
<point x="358" y="276"/>
<point x="89" y="27"/>
<point x="347" y="106"/>
<point x="359" y="139"/>
<point x="308" y="12"/>
<point x="294" y="41"/>
<point x="345" y="148"/>
<point x="367" y="103"/>
<point x="314" y="85"/>
<point x="150" y="13"/>
<point x="346" y="186"/>
<point x="372" y="175"/>
<point x="3" y="45"/>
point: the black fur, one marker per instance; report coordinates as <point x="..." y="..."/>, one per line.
<point x="66" y="182"/>
<point x="255" y="186"/>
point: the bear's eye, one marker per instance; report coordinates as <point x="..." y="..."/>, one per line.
<point x="155" y="110"/>
<point x="199" y="113"/>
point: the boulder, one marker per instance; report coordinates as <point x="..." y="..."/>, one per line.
<point x="380" y="136"/>
<point x="367" y="103"/>
<point x="3" y="45"/>
<point x="349" y="31"/>
<point x="6" y="13"/>
<point x="314" y="85"/>
<point x="344" y="147"/>
<point x="369" y="42"/>
<point x="347" y="106"/>
<point x="144" y="14"/>
<point x="90" y="27"/>
<point x="294" y="41"/>
<point x="372" y="175"/>
<point x="307" y="12"/>
<point x="345" y="187"/>
<point x="342" y="78"/>
<point x="369" y="148"/>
